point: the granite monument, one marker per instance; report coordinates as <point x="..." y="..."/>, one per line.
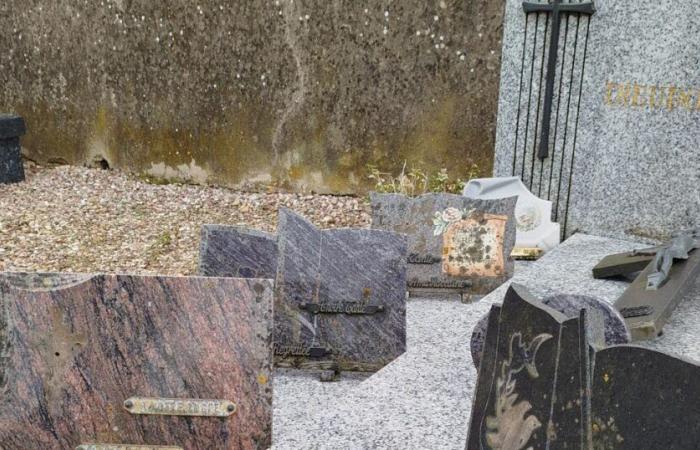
<point x="11" y="129"/>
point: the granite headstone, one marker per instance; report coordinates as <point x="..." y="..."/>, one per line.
<point x="339" y="296"/>
<point x="623" y="159"/>
<point x="532" y="385"/>
<point x="237" y="251"/>
<point x="127" y="360"/>
<point x="456" y="244"/>
<point x="11" y="168"/>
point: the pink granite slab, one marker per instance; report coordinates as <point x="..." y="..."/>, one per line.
<point x="74" y="350"/>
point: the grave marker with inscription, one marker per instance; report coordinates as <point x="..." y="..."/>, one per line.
<point x="237" y="251"/>
<point x="127" y="362"/>
<point x="339" y="296"/>
<point x="605" y="123"/>
<point x="542" y="384"/>
<point x="456" y="244"/>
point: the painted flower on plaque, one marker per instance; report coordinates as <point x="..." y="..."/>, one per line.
<point x="472" y="242"/>
<point x="528" y="219"/>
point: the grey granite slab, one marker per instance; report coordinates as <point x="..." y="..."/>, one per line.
<point x="339" y="296"/>
<point x="456" y="243"/>
<point x="624" y="160"/>
<point x="423" y="398"/>
<point x="237" y="251"/>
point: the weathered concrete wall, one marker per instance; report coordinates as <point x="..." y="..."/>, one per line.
<point x="302" y="93"/>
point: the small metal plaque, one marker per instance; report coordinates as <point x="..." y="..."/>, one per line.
<point x="439" y="284"/>
<point x="526" y="253"/>
<point x="341" y="308"/>
<point x="637" y="311"/>
<point x="179" y="407"/>
<point x="125" y="447"/>
<point x="415" y="258"/>
<point x="300" y="350"/>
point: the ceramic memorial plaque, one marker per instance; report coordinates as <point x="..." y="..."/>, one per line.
<point x="531" y="388"/>
<point x="112" y="361"/>
<point x="339" y="296"/>
<point x="456" y="244"/>
<point x="236" y="251"/>
<point x="535" y="228"/>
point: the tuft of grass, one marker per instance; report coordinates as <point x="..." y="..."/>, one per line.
<point x="416" y="181"/>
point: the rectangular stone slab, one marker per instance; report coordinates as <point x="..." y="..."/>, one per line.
<point x="343" y="272"/>
<point x="660" y="303"/>
<point x="456" y="244"/>
<point x="236" y="251"/>
<point x="75" y="348"/>
<point x="532" y="382"/>
<point x="644" y="399"/>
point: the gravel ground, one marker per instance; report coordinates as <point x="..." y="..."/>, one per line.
<point x="75" y="219"/>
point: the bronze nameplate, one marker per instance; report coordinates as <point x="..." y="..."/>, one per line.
<point x="526" y="253"/>
<point x="179" y="407"/>
<point x="125" y="447"/>
<point x="440" y="284"/>
<point x="300" y="350"/>
<point x="341" y="308"/>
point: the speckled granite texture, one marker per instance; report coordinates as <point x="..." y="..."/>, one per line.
<point x="341" y="273"/>
<point x="452" y="239"/>
<point x="11" y="168"/>
<point x="423" y="399"/>
<point x="75" y="349"/>
<point x="630" y="148"/>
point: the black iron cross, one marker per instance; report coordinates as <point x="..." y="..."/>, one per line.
<point x="557" y="8"/>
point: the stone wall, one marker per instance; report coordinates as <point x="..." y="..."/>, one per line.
<point x="299" y="93"/>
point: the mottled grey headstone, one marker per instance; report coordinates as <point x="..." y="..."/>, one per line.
<point x="236" y="251"/>
<point x="605" y="325"/>
<point x="11" y="168"/>
<point x="339" y="296"/>
<point x="456" y="244"/>
<point x="623" y="153"/>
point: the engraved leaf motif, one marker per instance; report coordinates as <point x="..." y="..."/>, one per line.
<point x="510" y="428"/>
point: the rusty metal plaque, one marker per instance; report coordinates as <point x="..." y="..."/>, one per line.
<point x="125" y="447"/>
<point x="179" y="407"/>
<point x="474" y="246"/>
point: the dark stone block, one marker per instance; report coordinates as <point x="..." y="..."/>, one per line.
<point x="456" y="244"/>
<point x="644" y="399"/>
<point x="75" y="348"/>
<point x="11" y="168"/>
<point x="240" y="252"/>
<point x="532" y="385"/>
<point x="339" y="296"/>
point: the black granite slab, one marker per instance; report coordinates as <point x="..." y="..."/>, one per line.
<point x="532" y="384"/>
<point x="339" y="296"/>
<point x="11" y="168"/>
<point x="644" y="399"/>
<point x="235" y="251"/>
<point x="456" y="244"/>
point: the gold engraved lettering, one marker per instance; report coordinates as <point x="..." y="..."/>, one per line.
<point x="684" y="99"/>
<point x="609" y="93"/>
<point x="636" y="92"/>
<point x="670" y="97"/>
<point x="652" y="97"/>
<point x="623" y="96"/>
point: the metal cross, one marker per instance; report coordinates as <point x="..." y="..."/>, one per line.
<point x="557" y="8"/>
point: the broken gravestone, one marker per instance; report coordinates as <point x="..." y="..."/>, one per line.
<point x="457" y="245"/>
<point x="340" y="302"/>
<point x="339" y="296"/>
<point x="236" y="251"/>
<point x="112" y="361"/>
<point x="542" y="384"/>
<point x="605" y="325"/>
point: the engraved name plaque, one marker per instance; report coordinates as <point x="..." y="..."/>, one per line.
<point x="125" y="447"/>
<point x="179" y="407"/>
<point x="300" y="350"/>
<point x="439" y="284"/>
<point x="341" y="308"/>
<point x="416" y="258"/>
